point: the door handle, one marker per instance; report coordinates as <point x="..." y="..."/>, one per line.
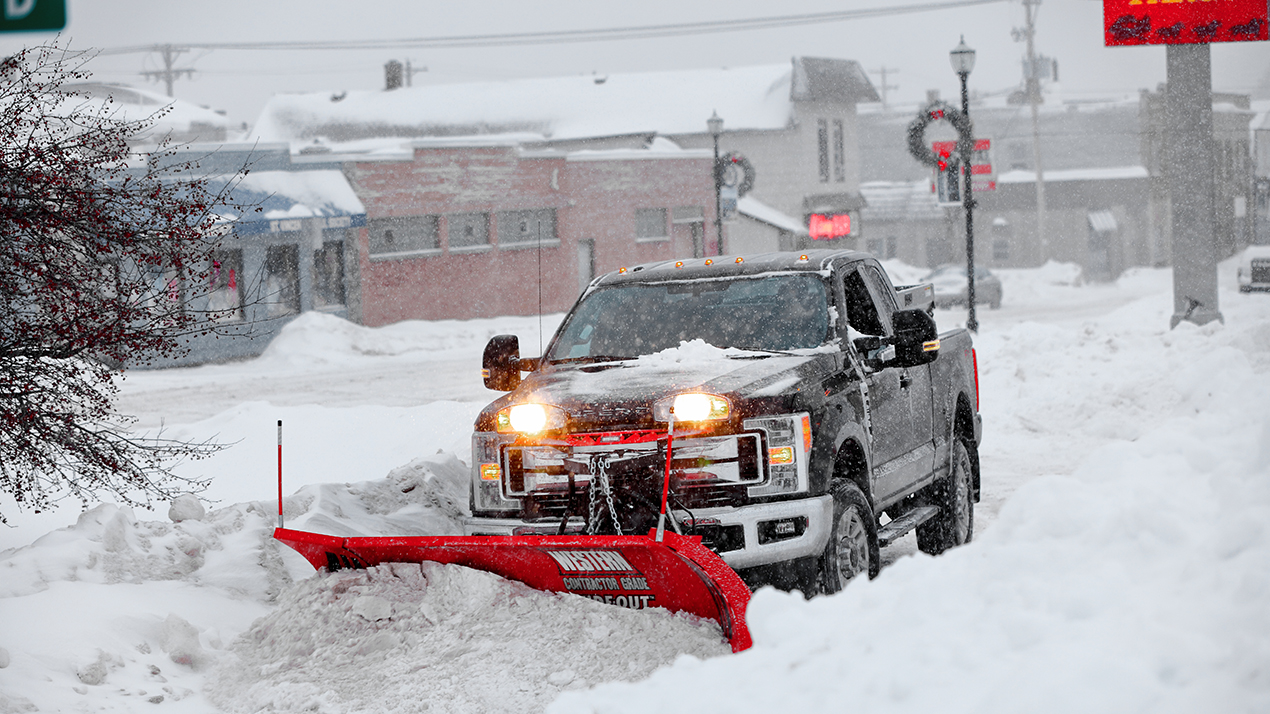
<point x="905" y="381"/>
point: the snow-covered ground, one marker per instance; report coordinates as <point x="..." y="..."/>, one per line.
<point x="1121" y="561"/>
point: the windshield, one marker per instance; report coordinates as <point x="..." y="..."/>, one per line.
<point x="774" y="312"/>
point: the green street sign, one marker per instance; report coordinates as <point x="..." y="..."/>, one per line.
<point x="32" y="15"/>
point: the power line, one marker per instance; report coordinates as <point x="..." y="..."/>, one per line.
<point x="635" y="32"/>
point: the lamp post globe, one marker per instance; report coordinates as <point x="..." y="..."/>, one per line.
<point x="962" y="58"/>
<point x="715" y="126"/>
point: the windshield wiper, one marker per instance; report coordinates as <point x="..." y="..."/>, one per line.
<point x="762" y="356"/>
<point x="590" y="359"/>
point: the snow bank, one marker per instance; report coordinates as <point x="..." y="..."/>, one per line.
<point x="1136" y="583"/>
<point x="410" y="637"/>
<point x="114" y="610"/>
<point x="315" y="339"/>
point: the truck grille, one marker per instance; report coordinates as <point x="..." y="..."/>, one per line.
<point x="552" y="504"/>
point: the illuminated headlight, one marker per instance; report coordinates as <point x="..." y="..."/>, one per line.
<point x="693" y="406"/>
<point x="530" y="418"/>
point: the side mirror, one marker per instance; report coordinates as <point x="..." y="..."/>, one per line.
<point x="916" y="338"/>
<point x="500" y="365"/>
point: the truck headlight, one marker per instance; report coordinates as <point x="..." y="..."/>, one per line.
<point x="530" y="418"/>
<point x="693" y="406"/>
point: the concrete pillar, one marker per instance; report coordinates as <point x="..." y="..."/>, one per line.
<point x="1188" y="151"/>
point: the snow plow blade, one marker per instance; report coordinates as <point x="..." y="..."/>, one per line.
<point x="678" y="574"/>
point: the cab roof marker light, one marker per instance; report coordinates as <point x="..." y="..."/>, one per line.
<point x="679" y="264"/>
<point x="804" y="258"/>
<point x="709" y="261"/>
<point x="740" y="260"/>
<point x="621" y="271"/>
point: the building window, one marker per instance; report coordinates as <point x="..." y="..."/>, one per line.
<point x="225" y="297"/>
<point x="403" y="234"/>
<point x="1000" y="239"/>
<point x="839" y="153"/>
<point x="167" y="292"/>
<point x="328" y="275"/>
<point x="529" y="228"/>
<point x="468" y="230"/>
<point x="822" y="144"/>
<point x="650" y="224"/>
<point x="282" y="280"/>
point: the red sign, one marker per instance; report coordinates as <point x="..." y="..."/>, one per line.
<point x="980" y="161"/>
<point x="1179" y="22"/>
<point x="829" y="227"/>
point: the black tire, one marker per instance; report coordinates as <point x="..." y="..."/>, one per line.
<point x="853" y="540"/>
<point x="955" y="523"/>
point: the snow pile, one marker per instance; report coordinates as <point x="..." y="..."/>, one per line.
<point x="425" y="497"/>
<point x="115" y="610"/>
<point x="410" y="637"/>
<point x="315" y="339"/>
<point x="690" y="354"/>
<point x="1136" y="583"/>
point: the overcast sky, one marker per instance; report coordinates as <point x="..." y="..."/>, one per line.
<point x="914" y="48"/>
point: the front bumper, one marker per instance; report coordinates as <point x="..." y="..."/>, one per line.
<point x="811" y="542"/>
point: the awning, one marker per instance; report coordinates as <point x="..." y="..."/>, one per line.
<point x="1102" y="221"/>
<point x="290" y="200"/>
<point x="828" y="203"/>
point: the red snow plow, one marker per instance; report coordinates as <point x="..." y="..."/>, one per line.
<point x="662" y="569"/>
<point x="678" y="573"/>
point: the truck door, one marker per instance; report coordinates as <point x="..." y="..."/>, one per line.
<point x="915" y="384"/>
<point x="892" y="424"/>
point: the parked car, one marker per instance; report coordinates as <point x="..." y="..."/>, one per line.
<point x="950" y="286"/>
<point x="1254" y="269"/>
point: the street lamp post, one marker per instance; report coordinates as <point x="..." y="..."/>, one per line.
<point x="962" y="58"/>
<point x="715" y="126"/>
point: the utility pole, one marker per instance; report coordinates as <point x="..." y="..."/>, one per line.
<point x="1033" y="88"/>
<point x="169" y="74"/>
<point x="1188" y="151"/>
<point x="411" y="71"/>
<point x="883" y="72"/>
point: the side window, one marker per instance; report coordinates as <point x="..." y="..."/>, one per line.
<point x="862" y="314"/>
<point x="884" y="294"/>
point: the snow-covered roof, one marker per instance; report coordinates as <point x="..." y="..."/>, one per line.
<point x="680" y="102"/>
<point x="899" y="201"/>
<point x="285" y="196"/>
<point x="759" y="211"/>
<point x="1095" y="174"/>
<point x="183" y="121"/>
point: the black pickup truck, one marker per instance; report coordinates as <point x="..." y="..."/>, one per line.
<point x="817" y="415"/>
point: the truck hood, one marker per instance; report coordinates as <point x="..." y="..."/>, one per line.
<point x="694" y="366"/>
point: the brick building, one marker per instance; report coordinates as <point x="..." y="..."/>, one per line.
<point x="486" y="227"/>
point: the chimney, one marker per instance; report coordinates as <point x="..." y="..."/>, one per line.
<point x="392" y="75"/>
<point x="932" y="96"/>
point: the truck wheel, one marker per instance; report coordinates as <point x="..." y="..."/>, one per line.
<point x="853" y="540"/>
<point x="955" y="524"/>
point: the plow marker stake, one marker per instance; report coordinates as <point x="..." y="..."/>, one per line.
<point x="677" y="573"/>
